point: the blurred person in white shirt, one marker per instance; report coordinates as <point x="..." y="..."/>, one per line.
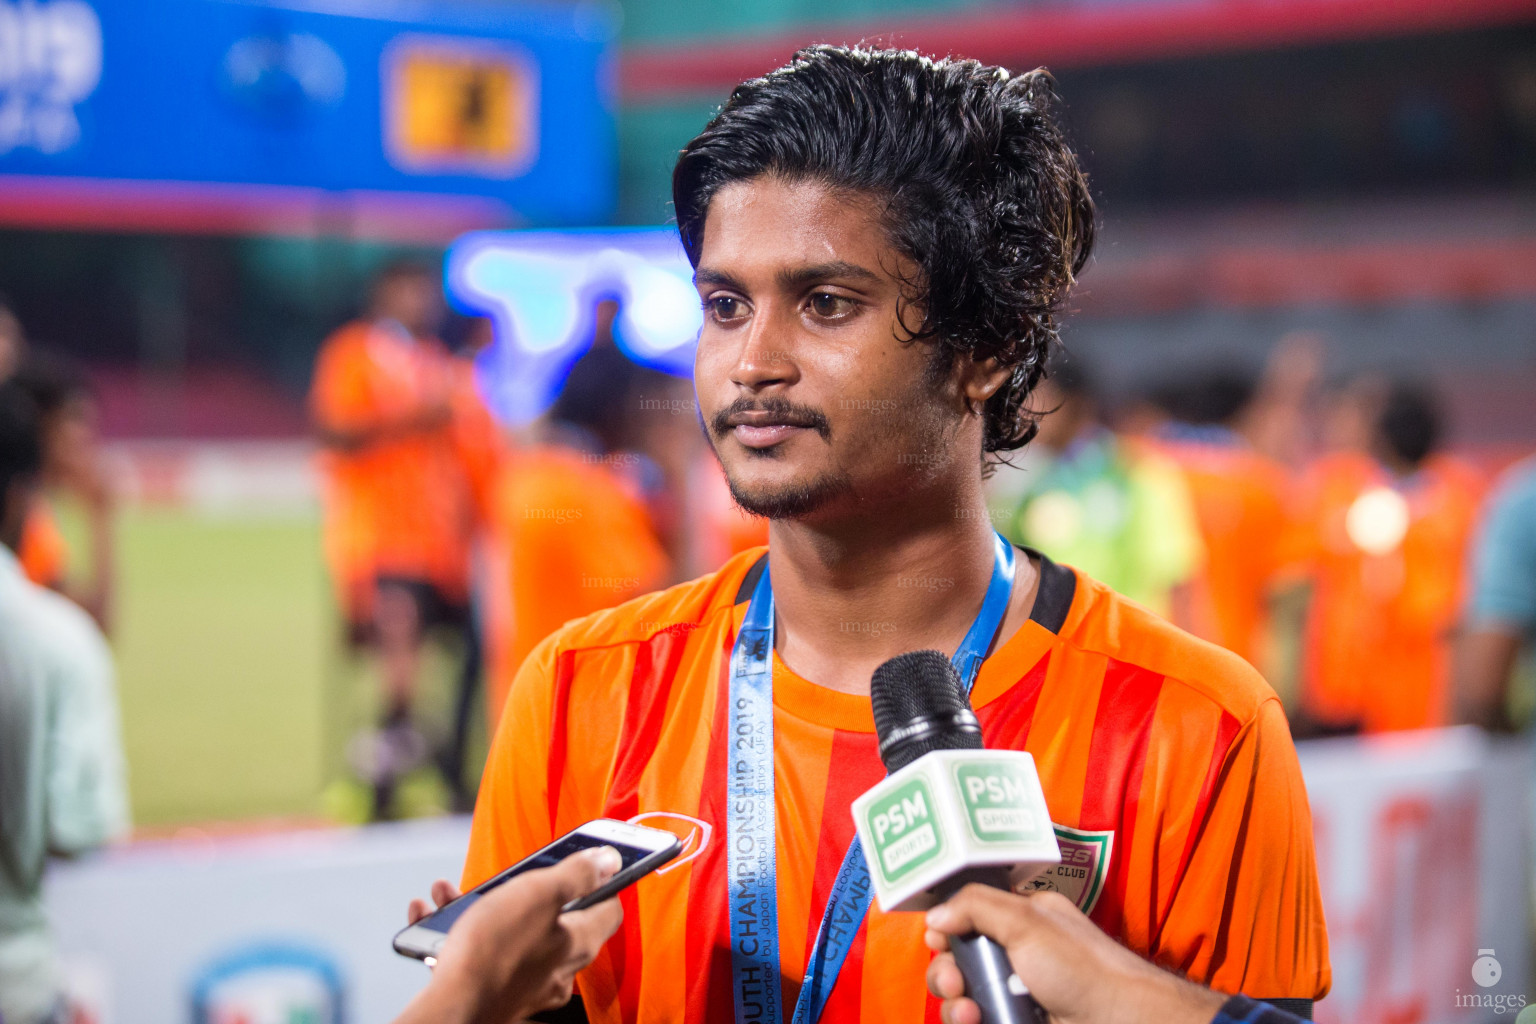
<point x="62" y="778"/>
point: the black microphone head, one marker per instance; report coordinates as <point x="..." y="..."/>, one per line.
<point x="920" y="707"/>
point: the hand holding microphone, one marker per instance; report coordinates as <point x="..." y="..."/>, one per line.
<point x="950" y="814"/>
<point x="1076" y="972"/>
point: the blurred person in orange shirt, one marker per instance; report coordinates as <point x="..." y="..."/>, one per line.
<point x="1385" y="534"/>
<point x="399" y="503"/>
<point x="1240" y="504"/>
<point x="581" y="516"/>
<point x="72" y="468"/>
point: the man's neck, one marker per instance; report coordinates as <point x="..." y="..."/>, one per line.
<point x="850" y="597"/>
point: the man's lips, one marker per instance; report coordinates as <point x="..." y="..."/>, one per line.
<point x="769" y="425"/>
<point x="764" y="435"/>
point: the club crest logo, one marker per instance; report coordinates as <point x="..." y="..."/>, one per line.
<point x="1084" y="865"/>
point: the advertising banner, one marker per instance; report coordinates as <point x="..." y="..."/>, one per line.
<point x="508" y="102"/>
<point x="1423" y="856"/>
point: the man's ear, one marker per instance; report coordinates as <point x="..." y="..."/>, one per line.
<point x="979" y="380"/>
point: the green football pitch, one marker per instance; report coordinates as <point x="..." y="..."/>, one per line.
<point x="237" y="696"/>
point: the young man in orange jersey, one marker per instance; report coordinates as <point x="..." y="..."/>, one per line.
<point x="882" y="243"/>
<point x="398" y="498"/>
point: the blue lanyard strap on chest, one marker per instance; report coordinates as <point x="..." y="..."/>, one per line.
<point x="751" y="834"/>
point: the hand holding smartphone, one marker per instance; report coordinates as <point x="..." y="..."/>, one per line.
<point x="641" y="850"/>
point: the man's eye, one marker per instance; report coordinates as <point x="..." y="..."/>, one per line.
<point x="831" y="307"/>
<point x="726" y="307"/>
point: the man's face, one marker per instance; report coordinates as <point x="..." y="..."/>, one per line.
<point x="412" y="300"/>
<point x="813" y="403"/>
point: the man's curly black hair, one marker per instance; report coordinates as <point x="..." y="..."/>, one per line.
<point x="979" y="186"/>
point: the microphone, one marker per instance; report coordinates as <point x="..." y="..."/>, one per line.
<point x="951" y="813"/>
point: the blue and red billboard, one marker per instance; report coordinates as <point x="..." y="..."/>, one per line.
<point x="506" y="103"/>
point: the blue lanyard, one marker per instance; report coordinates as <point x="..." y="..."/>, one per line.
<point x="752" y="884"/>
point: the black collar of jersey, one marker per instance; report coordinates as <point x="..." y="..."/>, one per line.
<point x="1053" y="599"/>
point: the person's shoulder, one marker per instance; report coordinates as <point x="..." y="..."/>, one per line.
<point x="1108" y="623"/>
<point x="559" y="465"/>
<point x="680" y="608"/>
<point x="1342" y="467"/>
<point x="559" y="477"/>
<point x="349" y="336"/>
<point x="60" y="630"/>
<point x="1516" y="486"/>
<point x="1455" y="471"/>
<point x="343" y="354"/>
<point x="1150" y="469"/>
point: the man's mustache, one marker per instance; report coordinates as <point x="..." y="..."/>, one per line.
<point x="779" y="411"/>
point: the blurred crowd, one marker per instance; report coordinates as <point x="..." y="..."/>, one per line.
<point x="1316" y="527"/>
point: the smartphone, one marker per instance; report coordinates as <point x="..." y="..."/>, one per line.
<point x="642" y="850"/>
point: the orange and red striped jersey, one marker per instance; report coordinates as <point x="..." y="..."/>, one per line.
<point x="1166" y="761"/>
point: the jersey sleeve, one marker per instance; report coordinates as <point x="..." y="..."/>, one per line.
<point x="512" y="814"/>
<point x="1248" y="916"/>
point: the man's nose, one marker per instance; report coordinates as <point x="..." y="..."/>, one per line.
<point x="764" y="360"/>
